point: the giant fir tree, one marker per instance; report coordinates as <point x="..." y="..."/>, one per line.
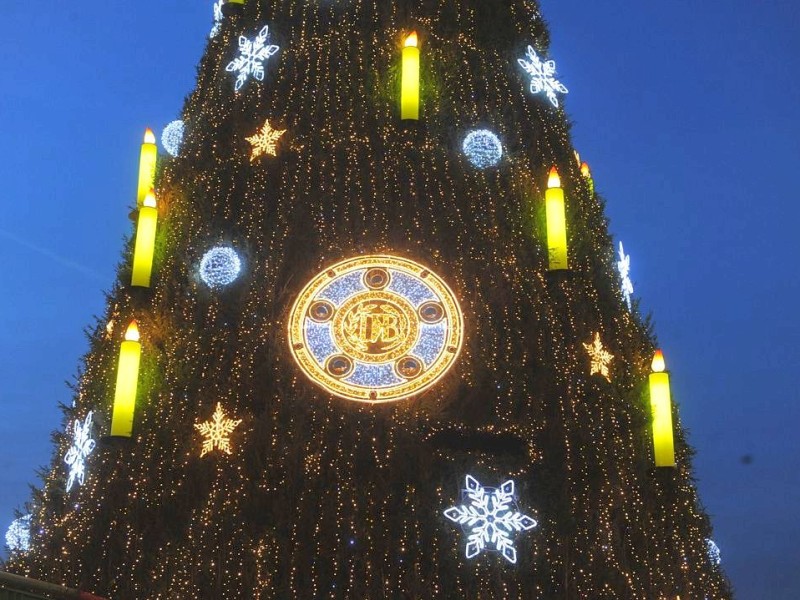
<point x="395" y="328"/>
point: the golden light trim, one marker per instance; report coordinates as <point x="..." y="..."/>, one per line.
<point x="379" y="303"/>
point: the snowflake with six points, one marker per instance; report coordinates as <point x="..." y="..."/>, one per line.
<point x="218" y="16"/>
<point x="252" y="54"/>
<point x="599" y="357"/>
<point x="624" y="267"/>
<point x="265" y="141"/>
<point x="217" y="432"/>
<point x="490" y="518"/>
<point x="543" y="76"/>
<point x="82" y="447"/>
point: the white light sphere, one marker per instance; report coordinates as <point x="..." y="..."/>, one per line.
<point x="172" y="137"/>
<point x="220" y="267"/>
<point x="482" y="148"/>
<point x="18" y="536"/>
<point x="714" y="553"/>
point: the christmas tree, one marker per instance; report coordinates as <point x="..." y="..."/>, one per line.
<point x="370" y="339"/>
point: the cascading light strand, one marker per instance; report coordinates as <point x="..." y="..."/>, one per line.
<point x="144" y="248"/>
<point x="147" y="166"/>
<point x="661" y="406"/>
<point x="556" y="223"/>
<point x="130" y="353"/>
<point x="409" y="99"/>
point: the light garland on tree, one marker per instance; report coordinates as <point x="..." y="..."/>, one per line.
<point x="252" y="55"/>
<point x="599" y="357"/>
<point x="172" y="137"/>
<point x="217" y="432"/>
<point x="482" y="148"/>
<point x="220" y="267"/>
<point x="543" y="76"/>
<point x="624" y="267"/>
<point x="18" y="536"/>
<point x="489" y="516"/>
<point x="82" y="446"/>
<point x="265" y="141"/>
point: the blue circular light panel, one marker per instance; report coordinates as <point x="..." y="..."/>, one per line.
<point x="482" y="148"/>
<point x="220" y="267"/>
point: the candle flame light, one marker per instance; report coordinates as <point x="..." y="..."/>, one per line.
<point x="659" y="364"/>
<point x="149" y="136"/>
<point x="150" y="199"/>
<point x="411" y="40"/>
<point x="585" y="171"/>
<point x="554" y="180"/>
<point x="132" y="333"/>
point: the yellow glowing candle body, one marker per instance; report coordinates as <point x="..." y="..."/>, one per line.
<point x="130" y="353"/>
<point x="147" y="166"/>
<point x="145" y="243"/>
<point x="409" y="97"/>
<point x="556" y="223"/>
<point x="661" y="407"/>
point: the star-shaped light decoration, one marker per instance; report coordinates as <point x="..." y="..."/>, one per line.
<point x="218" y="16"/>
<point x="624" y="267"/>
<point x="600" y="357"/>
<point x="82" y="446"/>
<point x="489" y="518"/>
<point x="543" y="76"/>
<point x="252" y="55"/>
<point x="217" y="432"/>
<point x="265" y="141"/>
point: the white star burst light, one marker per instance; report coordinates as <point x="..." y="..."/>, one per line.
<point x="252" y="54"/>
<point x="543" y="76"/>
<point x="18" y="536"/>
<point x="624" y="267"/>
<point x="217" y="18"/>
<point x="82" y="447"/>
<point x="490" y="518"/>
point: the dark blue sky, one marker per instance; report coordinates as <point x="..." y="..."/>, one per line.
<point x="687" y="112"/>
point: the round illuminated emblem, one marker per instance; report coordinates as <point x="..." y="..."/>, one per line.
<point x="376" y="329"/>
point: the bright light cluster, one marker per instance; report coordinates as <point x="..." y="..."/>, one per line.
<point x="265" y="141"/>
<point x="216" y="432"/>
<point x="18" y="536"/>
<point x="543" y="76"/>
<point x="82" y="446"/>
<point x="172" y="137"/>
<point x="489" y="517"/>
<point x="600" y="357"/>
<point x="624" y="267"/>
<point x="220" y="267"/>
<point x="482" y="148"/>
<point x="252" y="55"/>
<point x="714" y="553"/>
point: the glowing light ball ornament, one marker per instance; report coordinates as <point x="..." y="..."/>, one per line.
<point x="409" y="95"/>
<point x="661" y="406"/>
<point x="220" y="267"/>
<point x="130" y="354"/>
<point x="489" y="517"/>
<point x="376" y="329"/>
<point x="482" y="148"/>
<point x="18" y="536"/>
<point x="172" y="137"/>
<point x="714" y="553"/>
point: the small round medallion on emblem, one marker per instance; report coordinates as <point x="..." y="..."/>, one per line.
<point x="408" y="367"/>
<point x="321" y="311"/>
<point x="377" y="278"/>
<point x="339" y="366"/>
<point x="431" y="312"/>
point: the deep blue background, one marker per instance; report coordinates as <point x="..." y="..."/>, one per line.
<point x="687" y="112"/>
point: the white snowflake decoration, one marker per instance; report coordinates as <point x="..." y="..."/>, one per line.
<point x="82" y="447"/>
<point x="624" y="266"/>
<point x="252" y="54"/>
<point x="543" y="76"/>
<point x="714" y="553"/>
<point x="490" y="518"/>
<point x="18" y="536"/>
<point x="172" y="137"/>
<point x="217" y="19"/>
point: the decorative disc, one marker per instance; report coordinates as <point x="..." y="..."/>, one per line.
<point x="376" y="329"/>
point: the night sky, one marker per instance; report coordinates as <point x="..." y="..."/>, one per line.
<point x="686" y="111"/>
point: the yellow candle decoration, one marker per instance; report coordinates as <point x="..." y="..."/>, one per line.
<point x="556" y="223"/>
<point x="409" y="100"/>
<point x="145" y="242"/>
<point x="661" y="407"/>
<point x="127" y="381"/>
<point x="147" y="166"/>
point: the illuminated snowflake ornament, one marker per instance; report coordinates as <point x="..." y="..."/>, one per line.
<point x="217" y="432"/>
<point x="543" y="76"/>
<point x="265" y="141"/>
<point x="714" y="553"/>
<point x="18" y="536"/>
<point x="172" y="137"/>
<point x="82" y="447"/>
<point x="624" y="267"/>
<point x="482" y="148"/>
<point x="489" y="517"/>
<point x="599" y="356"/>
<point x="252" y="55"/>
<point x="218" y="16"/>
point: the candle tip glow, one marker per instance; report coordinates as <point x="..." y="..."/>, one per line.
<point x="150" y="199"/>
<point x="411" y="40"/>
<point x="149" y="136"/>
<point x="554" y="181"/>
<point x="585" y="171"/>
<point x="659" y="364"/>
<point x="132" y="334"/>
